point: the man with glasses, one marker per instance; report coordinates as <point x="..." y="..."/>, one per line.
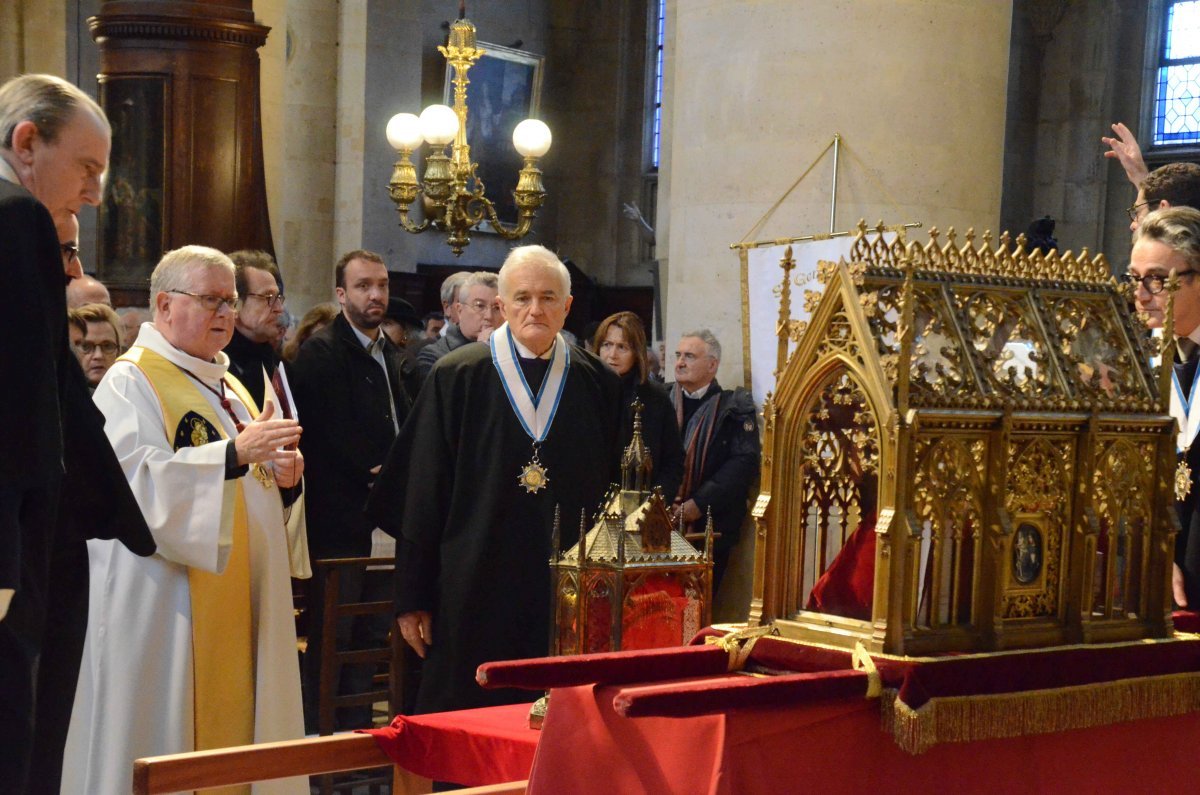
<point x="719" y="428"/>
<point x="478" y="313"/>
<point x="251" y="351"/>
<point x="1172" y="185"/>
<point x="195" y="647"/>
<point x="96" y="338"/>
<point x="1168" y="241"/>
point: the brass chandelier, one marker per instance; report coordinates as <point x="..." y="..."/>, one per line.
<point x="452" y="193"/>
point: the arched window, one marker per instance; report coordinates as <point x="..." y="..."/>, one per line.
<point x="1175" y="115"/>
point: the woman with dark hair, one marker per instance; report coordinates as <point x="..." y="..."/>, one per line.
<point x="620" y="342"/>
<point x="313" y="321"/>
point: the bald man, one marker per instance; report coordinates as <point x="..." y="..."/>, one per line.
<point x="86" y="290"/>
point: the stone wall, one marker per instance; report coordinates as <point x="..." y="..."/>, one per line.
<point x="1069" y="81"/>
<point x="917" y="90"/>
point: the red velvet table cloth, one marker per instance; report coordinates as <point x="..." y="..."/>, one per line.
<point x="474" y="747"/>
<point x="833" y="748"/>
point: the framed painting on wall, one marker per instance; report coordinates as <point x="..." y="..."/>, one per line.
<point x="505" y="88"/>
<point x="132" y="211"/>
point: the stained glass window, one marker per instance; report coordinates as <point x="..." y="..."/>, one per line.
<point x="1177" y="85"/>
<point x="660" y="20"/>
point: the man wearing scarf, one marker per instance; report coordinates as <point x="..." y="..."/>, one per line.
<point x="721" y="445"/>
<point x="502" y="435"/>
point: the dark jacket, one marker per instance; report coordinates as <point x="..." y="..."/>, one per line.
<point x="345" y="409"/>
<point x="247" y="360"/>
<point x="427" y="357"/>
<point x="730" y="466"/>
<point x="60" y="484"/>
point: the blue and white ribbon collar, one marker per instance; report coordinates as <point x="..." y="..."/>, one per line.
<point x="535" y="411"/>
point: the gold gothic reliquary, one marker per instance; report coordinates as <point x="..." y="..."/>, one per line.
<point x="633" y="581"/>
<point x="968" y="448"/>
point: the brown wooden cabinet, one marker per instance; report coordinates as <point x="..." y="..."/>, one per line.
<point x="180" y="84"/>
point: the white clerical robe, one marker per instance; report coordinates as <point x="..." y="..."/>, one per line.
<point x="135" y="693"/>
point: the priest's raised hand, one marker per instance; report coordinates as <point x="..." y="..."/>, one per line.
<point x="264" y="439"/>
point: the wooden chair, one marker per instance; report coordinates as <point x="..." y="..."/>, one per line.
<point x="387" y="683"/>
<point x="312" y="756"/>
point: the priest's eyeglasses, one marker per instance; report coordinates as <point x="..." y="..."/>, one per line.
<point x="270" y="299"/>
<point x="211" y="303"/>
<point x="1153" y="283"/>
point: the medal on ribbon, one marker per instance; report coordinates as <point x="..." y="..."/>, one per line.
<point x="1186" y="411"/>
<point x="536" y="411"/>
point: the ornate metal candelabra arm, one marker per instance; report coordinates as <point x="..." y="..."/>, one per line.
<point x="529" y="196"/>
<point x="404" y="190"/>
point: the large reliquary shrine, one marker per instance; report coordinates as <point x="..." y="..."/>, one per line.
<point x="968" y="449"/>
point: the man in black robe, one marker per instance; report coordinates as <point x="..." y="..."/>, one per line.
<point x="471" y="485"/>
<point x="60" y="482"/>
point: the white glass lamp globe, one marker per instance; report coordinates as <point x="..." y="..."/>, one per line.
<point x="532" y="138"/>
<point x="439" y="124"/>
<point x="404" y="131"/>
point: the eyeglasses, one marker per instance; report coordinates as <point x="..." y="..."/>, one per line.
<point x="70" y="251"/>
<point x="88" y="348"/>
<point x="1133" y="213"/>
<point x="211" y="303"/>
<point x="270" y="299"/>
<point x="483" y="307"/>
<point x="1153" y="283"/>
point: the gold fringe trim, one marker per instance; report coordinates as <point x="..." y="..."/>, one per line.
<point x="963" y="719"/>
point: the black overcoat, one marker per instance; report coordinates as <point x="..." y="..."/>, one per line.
<point x="473" y="545"/>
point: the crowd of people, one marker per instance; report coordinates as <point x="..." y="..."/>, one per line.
<point x="168" y="470"/>
<point x="172" y="468"/>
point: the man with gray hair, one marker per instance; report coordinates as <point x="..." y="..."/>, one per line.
<point x="195" y="647"/>
<point x="59" y="481"/>
<point x="476" y="314"/>
<point x="448" y="294"/>
<point x="721" y="445"/>
<point x="501" y="436"/>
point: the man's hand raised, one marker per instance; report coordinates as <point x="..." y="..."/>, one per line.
<point x="1126" y="150"/>
<point x="263" y="439"/>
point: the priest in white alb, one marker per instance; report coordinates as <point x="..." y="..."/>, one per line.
<point x="195" y="647"/>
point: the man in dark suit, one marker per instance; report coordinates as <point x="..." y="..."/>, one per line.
<point x="353" y="390"/>
<point x="60" y="482"/>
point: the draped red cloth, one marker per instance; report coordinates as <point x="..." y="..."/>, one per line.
<point x="587" y="747"/>
<point x="490" y="745"/>
<point x="917" y="680"/>
<point x="847" y="586"/>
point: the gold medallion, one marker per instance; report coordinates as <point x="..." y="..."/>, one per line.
<point x="1183" y="479"/>
<point x="533" y="477"/>
<point x="262" y="475"/>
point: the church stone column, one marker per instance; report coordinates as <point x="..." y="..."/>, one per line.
<point x="179" y="82"/>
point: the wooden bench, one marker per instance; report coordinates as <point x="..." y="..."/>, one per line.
<point x="311" y="756"/>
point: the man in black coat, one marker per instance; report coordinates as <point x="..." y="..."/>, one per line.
<point x="252" y="351"/>
<point x="501" y="436"/>
<point x="721" y="446"/>
<point x="60" y="482"/>
<point x="353" y="390"/>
